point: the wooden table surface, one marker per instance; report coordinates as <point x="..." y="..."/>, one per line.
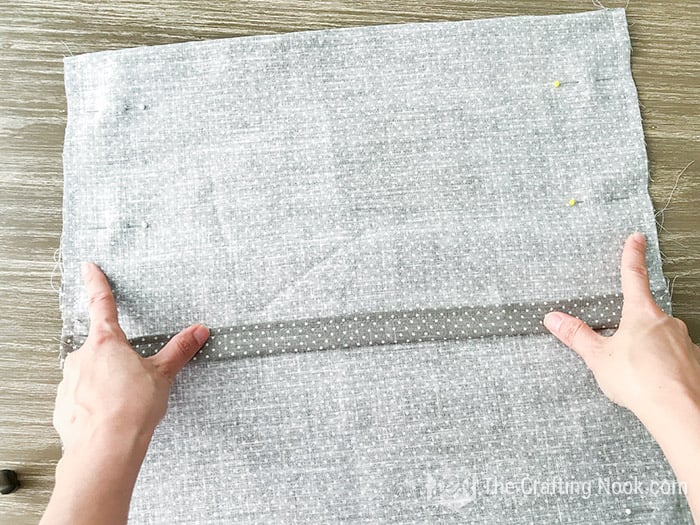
<point x="36" y="35"/>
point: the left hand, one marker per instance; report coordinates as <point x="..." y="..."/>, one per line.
<point x="107" y="386"/>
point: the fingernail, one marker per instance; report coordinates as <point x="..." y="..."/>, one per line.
<point x="201" y="334"/>
<point x="553" y="321"/>
<point x="637" y="237"/>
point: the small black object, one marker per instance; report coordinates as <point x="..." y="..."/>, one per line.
<point x="8" y="481"/>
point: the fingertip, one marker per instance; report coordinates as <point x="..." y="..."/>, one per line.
<point x="200" y="333"/>
<point x="84" y="269"/>
<point x="572" y="331"/>
<point x="637" y="237"/>
<point x="87" y="268"/>
<point x="636" y="242"/>
<point x="634" y="276"/>
<point x="552" y="321"/>
<point x="101" y="306"/>
<point x="180" y="349"/>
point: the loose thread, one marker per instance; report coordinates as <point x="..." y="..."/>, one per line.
<point x="670" y="196"/>
<point x="600" y="5"/>
<point x="57" y="265"/>
<point x="67" y="48"/>
<point x="670" y="287"/>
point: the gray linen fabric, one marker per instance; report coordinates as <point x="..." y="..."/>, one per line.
<point x="373" y="221"/>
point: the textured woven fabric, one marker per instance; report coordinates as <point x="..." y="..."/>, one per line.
<point x="373" y="221"/>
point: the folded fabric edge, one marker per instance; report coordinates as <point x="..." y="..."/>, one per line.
<point x="387" y="328"/>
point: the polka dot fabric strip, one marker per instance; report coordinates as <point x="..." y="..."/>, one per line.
<point x="389" y="328"/>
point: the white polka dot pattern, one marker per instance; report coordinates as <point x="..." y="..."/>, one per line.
<point x="373" y="222"/>
<point x="389" y="328"/>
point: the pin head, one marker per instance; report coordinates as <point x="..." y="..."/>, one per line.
<point x="556" y="83"/>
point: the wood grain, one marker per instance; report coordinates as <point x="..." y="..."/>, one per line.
<point x="34" y="37"/>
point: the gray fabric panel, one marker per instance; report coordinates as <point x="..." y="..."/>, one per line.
<point x="362" y="182"/>
<point x="363" y="170"/>
<point x="396" y="435"/>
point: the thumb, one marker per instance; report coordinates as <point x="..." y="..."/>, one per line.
<point x="574" y="333"/>
<point x="180" y="350"/>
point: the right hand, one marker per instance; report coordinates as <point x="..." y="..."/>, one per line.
<point x="650" y="360"/>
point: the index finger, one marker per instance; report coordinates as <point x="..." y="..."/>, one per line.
<point x="634" y="276"/>
<point x="100" y="301"/>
